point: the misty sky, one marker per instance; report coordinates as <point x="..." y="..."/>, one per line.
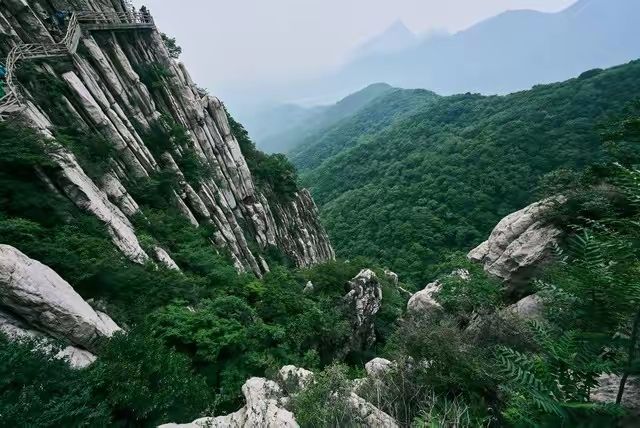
<point x="233" y="44"/>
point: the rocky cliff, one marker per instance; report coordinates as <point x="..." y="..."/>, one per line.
<point x="36" y="303"/>
<point x="108" y="75"/>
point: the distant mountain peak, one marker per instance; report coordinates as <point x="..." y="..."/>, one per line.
<point x="394" y="38"/>
<point x="399" y="27"/>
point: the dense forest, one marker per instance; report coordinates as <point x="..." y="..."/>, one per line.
<point x="407" y="181"/>
<point x="196" y="334"/>
<point x="193" y="338"/>
<point x="408" y="187"/>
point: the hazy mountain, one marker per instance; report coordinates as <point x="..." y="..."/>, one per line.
<point x="509" y="52"/>
<point x="414" y="174"/>
<point x="281" y="128"/>
<point x="394" y="39"/>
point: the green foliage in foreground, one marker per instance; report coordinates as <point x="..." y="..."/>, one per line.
<point x="439" y="180"/>
<point x="474" y="363"/>
<point x="136" y="382"/>
<point x="194" y="336"/>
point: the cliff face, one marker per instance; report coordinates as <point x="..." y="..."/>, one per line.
<point x="118" y="81"/>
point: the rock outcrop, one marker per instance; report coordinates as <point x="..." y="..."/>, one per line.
<point x="392" y="276"/>
<point x="364" y="300"/>
<point x="15" y="329"/>
<point x="530" y="307"/>
<point x="519" y="244"/>
<point x="36" y="302"/>
<point x="123" y="86"/>
<point x="424" y="301"/>
<point x="378" y="367"/>
<point x="264" y="409"/>
<point x="266" y="403"/>
<point x="607" y="392"/>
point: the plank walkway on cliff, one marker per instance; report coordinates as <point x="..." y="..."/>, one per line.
<point x="91" y="21"/>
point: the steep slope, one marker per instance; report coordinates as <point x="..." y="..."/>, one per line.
<point x="439" y="180"/>
<point x="111" y="85"/>
<point x="297" y="123"/>
<point x="510" y="52"/>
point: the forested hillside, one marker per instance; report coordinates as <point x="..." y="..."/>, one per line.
<point x="280" y="129"/>
<point x="438" y="180"/>
<point x="323" y="143"/>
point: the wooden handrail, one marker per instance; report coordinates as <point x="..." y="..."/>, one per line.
<point x="69" y="44"/>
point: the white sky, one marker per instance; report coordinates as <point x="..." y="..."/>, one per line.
<point x="232" y="44"/>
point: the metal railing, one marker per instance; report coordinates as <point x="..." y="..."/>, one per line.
<point x="115" y="18"/>
<point x="11" y="102"/>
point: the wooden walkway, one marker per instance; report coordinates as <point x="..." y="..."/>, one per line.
<point x="12" y="102"/>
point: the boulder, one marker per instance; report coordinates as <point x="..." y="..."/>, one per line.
<point x="295" y="378"/>
<point x="263" y="409"/>
<point x="378" y="367"/>
<point x="364" y="300"/>
<point x="308" y="288"/>
<point x="424" y="301"/>
<point x="607" y="391"/>
<point x="46" y="302"/>
<point x="369" y="414"/>
<point x="15" y="329"/>
<point x="392" y="276"/>
<point x="265" y="406"/>
<point x="519" y="244"/>
<point x="530" y="307"/>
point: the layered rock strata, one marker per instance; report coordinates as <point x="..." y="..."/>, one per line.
<point x="122" y="85"/>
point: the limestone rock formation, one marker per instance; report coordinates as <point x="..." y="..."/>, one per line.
<point x="263" y="409"/>
<point x="35" y="301"/>
<point x="530" y="307"/>
<point x="266" y="401"/>
<point x="364" y="300"/>
<point x="392" y="276"/>
<point x="15" y="329"/>
<point x="108" y="87"/>
<point x="607" y="391"/>
<point x="424" y="301"/>
<point x="519" y="244"/>
<point x="378" y="367"/>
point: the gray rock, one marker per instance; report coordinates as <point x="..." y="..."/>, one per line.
<point x="424" y="301"/>
<point x="308" y="288"/>
<point x="265" y="401"/>
<point x="263" y="409"/>
<point x="378" y="367"/>
<point x="16" y="330"/>
<point x="530" y="307"/>
<point x="47" y="302"/>
<point x="295" y="378"/>
<point x="519" y="244"/>
<point x="370" y="415"/>
<point x="607" y="391"/>
<point x="364" y="301"/>
<point x="392" y="276"/>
